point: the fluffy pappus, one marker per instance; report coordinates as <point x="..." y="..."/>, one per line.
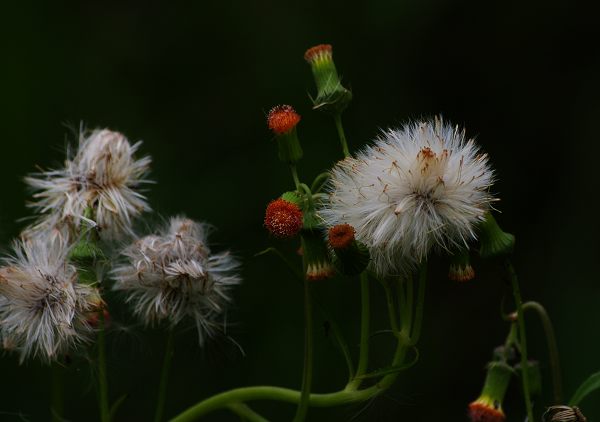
<point x="44" y="310"/>
<point x="415" y="187"/>
<point x="102" y="175"/>
<point x="173" y="275"/>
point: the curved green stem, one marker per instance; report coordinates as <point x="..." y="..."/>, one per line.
<point x="246" y="413"/>
<point x="393" y="316"/>
<point x="319" y="182"/>
<point x="102" y="377"/>
<point x="365" y="319"/>
<point x="522" y="338"/>
<point x="340" y="129"/>
<point x="552" y="347"/>
<point x="164" y="377"/>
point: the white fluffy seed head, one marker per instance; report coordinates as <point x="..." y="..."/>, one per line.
<point x="416" y="187"/>
<point x="173" y="275"/>
<point x="102" y="175"/>
<point x="44" y="310"/>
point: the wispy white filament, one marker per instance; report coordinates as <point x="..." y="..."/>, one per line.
<point x="173" y="275"/>
<point x="44" y="310"/>
<point x="416" y="187"/>
<point x="104" y="176"/>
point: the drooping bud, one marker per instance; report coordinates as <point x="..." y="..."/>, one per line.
<point x="563" y="414"/>
<point x="460" y="267"/>
<point x="283" y="219"/>
<point x="493" y="241"/>
<point x="350" y="256"/>
<point x="488" y="407"/>
<point x="282" y="121"/>
<point x="331" y="95"/>
<point x="317" y="264"/>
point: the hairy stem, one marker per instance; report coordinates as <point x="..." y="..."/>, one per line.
<point x="522" y="338"/>
<point x="552" y="347"/>
<point x="164" y="377"/>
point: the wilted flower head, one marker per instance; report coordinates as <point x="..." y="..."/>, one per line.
<point x="102" y="176"/>
<point x="419" y="186"/>
<point x="44" y="310"/>
<point x="173" y="275"/>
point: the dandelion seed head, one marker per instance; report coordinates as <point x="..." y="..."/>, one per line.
<point x="421" y="186"/>
<point x="44" y="310"/>
<point x="173" y="275"/>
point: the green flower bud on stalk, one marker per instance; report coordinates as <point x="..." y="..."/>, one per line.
<point x="317" y="263"/>
<point x="488" y="407"/>
<point x="282" y="121"/>
<point x="350" y="256"/>
<point x="493" y="241"/>
<point x="460" y="267"/>
<point x="331" y="95"/>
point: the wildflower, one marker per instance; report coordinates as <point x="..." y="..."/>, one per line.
<point x="173" y="275"/>
<point x="44" y="309"/>
<point x="331" y="95"/>
<point x="282" y="120"/>
<point x="488" y="407"/>
<point x="460" y="267"/>
<point x="98" y="186"/>
<point x="351" y="257"/>
<point x="417" y="187"/>
<point x="283" y="219"/>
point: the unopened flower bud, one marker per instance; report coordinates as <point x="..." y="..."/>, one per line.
<point x="317" y="264"/>
<point x="488" y="407"/>
<point x="460" y="267"/>
<point x="283" y="219"/>
<point x="282" y="121"/>
<point x="331" y="95"/>
<point x="493" y="241"/>
<point x="563" y="414"/>
<point x="350" y="256"/>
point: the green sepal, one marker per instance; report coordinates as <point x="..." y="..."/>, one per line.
<point x="496" y="381"/>
<point x="317" y="261"/>
<point x="331" y="97"/>
<point x="493" y="241"/>
<point x="292" y="197"/>
<point x="290" y="150"/>
<point x="351" y="260"/>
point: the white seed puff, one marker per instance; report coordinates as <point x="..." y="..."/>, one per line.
<point x="173" y="275"/>
<point x="44" y="310"/>
<point x="416" y="187"/>
<point x="102" y="175"/>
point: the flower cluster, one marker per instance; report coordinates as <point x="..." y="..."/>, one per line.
<point x="173" y="275"/>
<point x="44" y="309"/>
<point x="99" y="184"/>
<point x="419" y="186"/>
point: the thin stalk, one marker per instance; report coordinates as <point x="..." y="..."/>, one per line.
<point x="246" y="413"/>
<point x="295" y="176"/>
<point x="57" y="407"/>
<point x="164" y="377"/>
<point x="391" y="308"/>
<point x="102" y="377"/>
<point x="522" y="339"/>
<point x="308" y="356"/>
<point x="552" y="347"/>
<point x="340" y="129"/>
<point x="365" y="319"/>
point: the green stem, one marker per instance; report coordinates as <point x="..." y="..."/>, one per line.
<point x="393" y="316"/>
<point x="340" y="129"/>
<point x="102" y="378"/>
<point x="308" y="356"/>
<point x="246" y="413"/>
<point x="295" y="176"/>
<point x="57" y="408"/>
<point x="365" y="319"/>
<point x="522" y="338"/>
<point x="552" y="347"/>
<point x="164" y="377"/>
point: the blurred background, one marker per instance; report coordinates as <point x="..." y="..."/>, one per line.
<point x="194" y="81"/>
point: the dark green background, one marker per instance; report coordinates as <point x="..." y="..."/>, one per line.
<point x="194" y="80"/>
